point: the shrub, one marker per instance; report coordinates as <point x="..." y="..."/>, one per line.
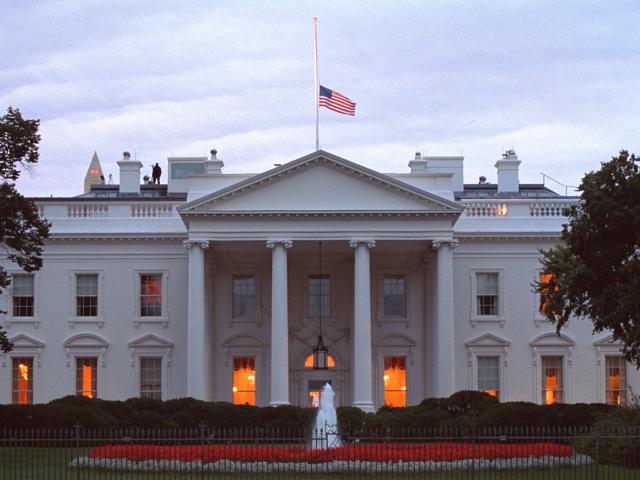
<point x="607" y="440"/>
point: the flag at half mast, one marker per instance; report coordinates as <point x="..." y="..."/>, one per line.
<point x="336" y="101"/>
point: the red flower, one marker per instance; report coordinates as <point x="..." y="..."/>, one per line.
<point x="377" y="452"/>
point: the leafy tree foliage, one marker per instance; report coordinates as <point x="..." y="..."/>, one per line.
<point x="22" y="230"/>
<point x="595" y="270"/>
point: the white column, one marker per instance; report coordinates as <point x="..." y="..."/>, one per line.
<point x="361" y="371"/>
<point x="279" y="324"/>
<point x="444" y="367"/>
<point x="196" y="335"/>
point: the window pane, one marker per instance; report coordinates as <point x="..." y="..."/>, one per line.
<point x="22" y="380"/>
<point x="395" y="381"/>
<point x="23" y="285"/>
<point x="552" y="380"/>
<point x="487" y="283"/>
<point x="616" y="387"/>
<point x="87" y="295"/>
<point x="394" y="295"/>
<point x="487" y="293"/>
<point x="244" y="380"/>
<point x="23" y="295"/>
<point x="319" y="295"/>
<point x="244" y="296"/>
<point x="489" y="375"/>
<point x="87" y="377"/>
<point x="151" y="295"/>
<point x="151" y="377"/>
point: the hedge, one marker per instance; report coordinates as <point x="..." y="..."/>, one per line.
<point x="462" y="409"/>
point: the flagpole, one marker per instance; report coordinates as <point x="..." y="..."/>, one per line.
<point x="317" y="83"/>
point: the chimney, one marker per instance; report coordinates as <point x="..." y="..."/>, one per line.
<point x="213" y="166"/>
<point x="507" y="166"/>
<point x="129" y="174"/>
<point x="418" y="165"/>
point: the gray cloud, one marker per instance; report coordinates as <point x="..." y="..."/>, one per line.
<point x="558" y="82"/>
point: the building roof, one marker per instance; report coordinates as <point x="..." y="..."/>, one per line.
<point x="490" y="190"/>
<point x="147" y="192"/>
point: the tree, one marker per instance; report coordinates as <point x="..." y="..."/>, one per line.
<point x="595" y="269"/>
<point x="22" y="230"/>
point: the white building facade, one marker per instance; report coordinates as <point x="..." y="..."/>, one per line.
<point x="217" y="286"/>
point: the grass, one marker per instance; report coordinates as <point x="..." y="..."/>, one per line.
<point x="52" y="464"/>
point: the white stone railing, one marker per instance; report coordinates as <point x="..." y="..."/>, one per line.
<point x="87" y="210"/>
<point x="486" y="209"/>
<point x="154" y="210"/>
<point x="75" y="210"/>
<point x="517" y="208"/>
<point x="549" y="209"/>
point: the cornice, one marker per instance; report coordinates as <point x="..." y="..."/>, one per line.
<point x="92" y="237"/>
<point x="490" y="236"/>
<point x="328" y="213"/>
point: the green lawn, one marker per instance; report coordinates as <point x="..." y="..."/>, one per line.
<point x="52" y="464"/>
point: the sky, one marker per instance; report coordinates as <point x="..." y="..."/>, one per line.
<point x="556" y="81"/>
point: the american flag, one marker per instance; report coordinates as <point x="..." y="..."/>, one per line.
<point x="336" y="101"/>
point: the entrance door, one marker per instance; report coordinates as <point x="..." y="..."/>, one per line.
<point x="314" y="390"/>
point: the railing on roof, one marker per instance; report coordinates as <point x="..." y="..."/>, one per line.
<point x="517" y="208"/>
<point x="88" y="210"/>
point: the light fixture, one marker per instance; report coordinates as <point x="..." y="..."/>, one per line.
<point x="320" y="351"/>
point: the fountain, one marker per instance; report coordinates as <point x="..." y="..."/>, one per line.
<point x="325" y="433"/>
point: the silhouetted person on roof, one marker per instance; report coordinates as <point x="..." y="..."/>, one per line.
<point x="155" y="173"/>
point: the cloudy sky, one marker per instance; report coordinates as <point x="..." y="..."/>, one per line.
<point x="557" y="81"/>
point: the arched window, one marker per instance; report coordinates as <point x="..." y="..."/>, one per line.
<point x="308" y="363"/>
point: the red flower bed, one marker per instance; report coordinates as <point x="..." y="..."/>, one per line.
<point x="376" y="452"/>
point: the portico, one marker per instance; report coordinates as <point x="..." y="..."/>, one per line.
<point x="266" y="231"/>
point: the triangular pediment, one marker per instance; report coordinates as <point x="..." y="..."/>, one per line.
<point x="24" y="341"/>
<point x="150" y="341"/>
<point x="320" y="182"/>
<point x="488" y="340"/>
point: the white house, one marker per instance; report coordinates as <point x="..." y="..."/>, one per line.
<point x="217" y="286"/>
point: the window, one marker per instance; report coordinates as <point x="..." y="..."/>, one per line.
<point x="244" y="380"/>
<point x="552" y="381"/>
<point x="394" y="295"/>
<point x="545" y="278"/>
<point x="395" y="381"/>
<point x="180" y="171"/>
<point x="151" y="295"/>
<point x="151" y="377"/>
<point x="489" y="375"/>
<point x="87" y="295"/>
<point x="616" y="388"/>
<point x="244" y="296"/>
<point x="487" y="294"/>
<point x="23" y="295"/>
<point x="87" y="377"/>
<point x="22" y="380"/>
<point x="308" y="363"/>
<point x="319" y="296"/>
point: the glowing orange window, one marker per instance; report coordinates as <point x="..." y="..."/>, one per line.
<point x="552" y="386"/>
<point x="244" y="380"/>
<point x="489" y="375"/>
<point x="308" y="363"/>
<point x="395" y="381"/>
<point x="22" y="381"/>
<point x="87" y="377"/>
<point x="616" y="389"/>
<point x="545" y="278"/>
